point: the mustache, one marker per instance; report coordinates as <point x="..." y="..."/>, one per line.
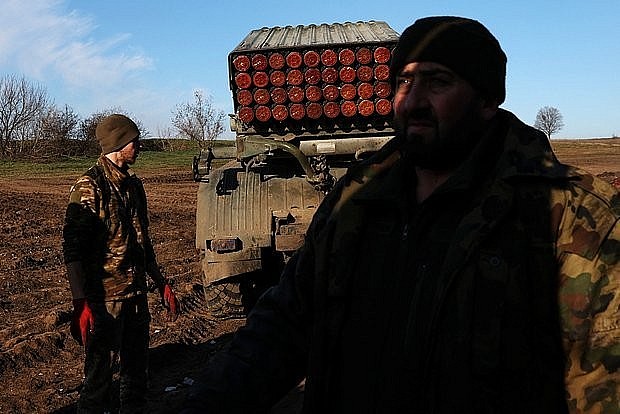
<point x="421" y="114"/>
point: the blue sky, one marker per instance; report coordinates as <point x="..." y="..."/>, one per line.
<point x="147" y="56"/>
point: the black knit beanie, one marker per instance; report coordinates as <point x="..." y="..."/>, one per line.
<point x="114" y="132"/>
<point x="463" y="45"/>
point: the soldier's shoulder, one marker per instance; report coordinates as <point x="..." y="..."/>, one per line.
<point x="588" y="209"/>
<point x="89" y="181"/>
<point x="594" y="192"/>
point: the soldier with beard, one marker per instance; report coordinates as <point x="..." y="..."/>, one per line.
<point x="461" y="269"/>
<point x="108" y="253"/>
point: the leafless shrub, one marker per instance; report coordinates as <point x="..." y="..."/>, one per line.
<point x="199" y="120"/>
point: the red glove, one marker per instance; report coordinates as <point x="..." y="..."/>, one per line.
<point x="83" y="321"/>
<point x="170" y="302"/>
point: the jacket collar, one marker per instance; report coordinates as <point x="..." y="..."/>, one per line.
<point x="116" y="175"/>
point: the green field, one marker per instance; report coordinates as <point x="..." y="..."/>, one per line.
<point x="149" y="160"/>
<point x="595" y="154"/>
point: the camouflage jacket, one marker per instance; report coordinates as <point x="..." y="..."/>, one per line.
<point x="106" y="228"/>
<point x="525" y="316"/>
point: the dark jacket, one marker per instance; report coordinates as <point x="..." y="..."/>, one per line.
<point x="518" y="313"/>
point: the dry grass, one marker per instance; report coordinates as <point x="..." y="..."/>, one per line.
<point x="595" y="155"/>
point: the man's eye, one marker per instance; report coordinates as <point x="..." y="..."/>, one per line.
<point x="438" y="83"/>
<point x="403" y="83"/>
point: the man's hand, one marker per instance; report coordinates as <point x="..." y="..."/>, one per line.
<point x="83" y="321"/>
<point x="170" y="302"/>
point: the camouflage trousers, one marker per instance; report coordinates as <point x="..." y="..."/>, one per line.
<point x="120" y="340"/>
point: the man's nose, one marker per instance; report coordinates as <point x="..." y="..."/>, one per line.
<point x="416" y="97"/>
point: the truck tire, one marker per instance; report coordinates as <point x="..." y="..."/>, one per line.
<point x="224" y="300"/>
<point x="234" y="298"/>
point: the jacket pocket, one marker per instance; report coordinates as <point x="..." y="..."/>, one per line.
<point x="489" y="300"/>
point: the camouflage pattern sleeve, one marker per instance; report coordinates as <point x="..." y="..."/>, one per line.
<point x="589" y="297"/>
<point x="79" y="218"/>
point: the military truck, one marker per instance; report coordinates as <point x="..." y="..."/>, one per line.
<point x="309" y="102"/>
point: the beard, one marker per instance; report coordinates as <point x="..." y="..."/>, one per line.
<point x="127" y="157"/>
<point x="443" y="148"/>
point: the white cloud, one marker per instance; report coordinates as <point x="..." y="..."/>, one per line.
<point x="40" y="39"/>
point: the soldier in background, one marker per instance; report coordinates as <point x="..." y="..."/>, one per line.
<point x="461" y="269"/>
<point x="108" y="252"/>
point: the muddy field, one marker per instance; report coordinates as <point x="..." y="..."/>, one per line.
<point x="41" y="365"/>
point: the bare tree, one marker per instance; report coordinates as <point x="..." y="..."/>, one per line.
<point x="168" y="141"/>
<point x="58" y="129"/>
<point x="22" y="105"/>
<point x="59" y="124"/>
<point x="549" y="120"/>
<point x="199" y="120"/>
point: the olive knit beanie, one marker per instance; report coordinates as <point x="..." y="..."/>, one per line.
<point x="114" y="132"/>
<point x="463" y="45"/>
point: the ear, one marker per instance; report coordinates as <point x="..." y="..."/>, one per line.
<point x="488" y="108"/>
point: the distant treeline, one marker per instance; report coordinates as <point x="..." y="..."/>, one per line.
<point x="32" y="127"/>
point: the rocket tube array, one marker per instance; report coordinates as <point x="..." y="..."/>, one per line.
<point x="312" y="84"/>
